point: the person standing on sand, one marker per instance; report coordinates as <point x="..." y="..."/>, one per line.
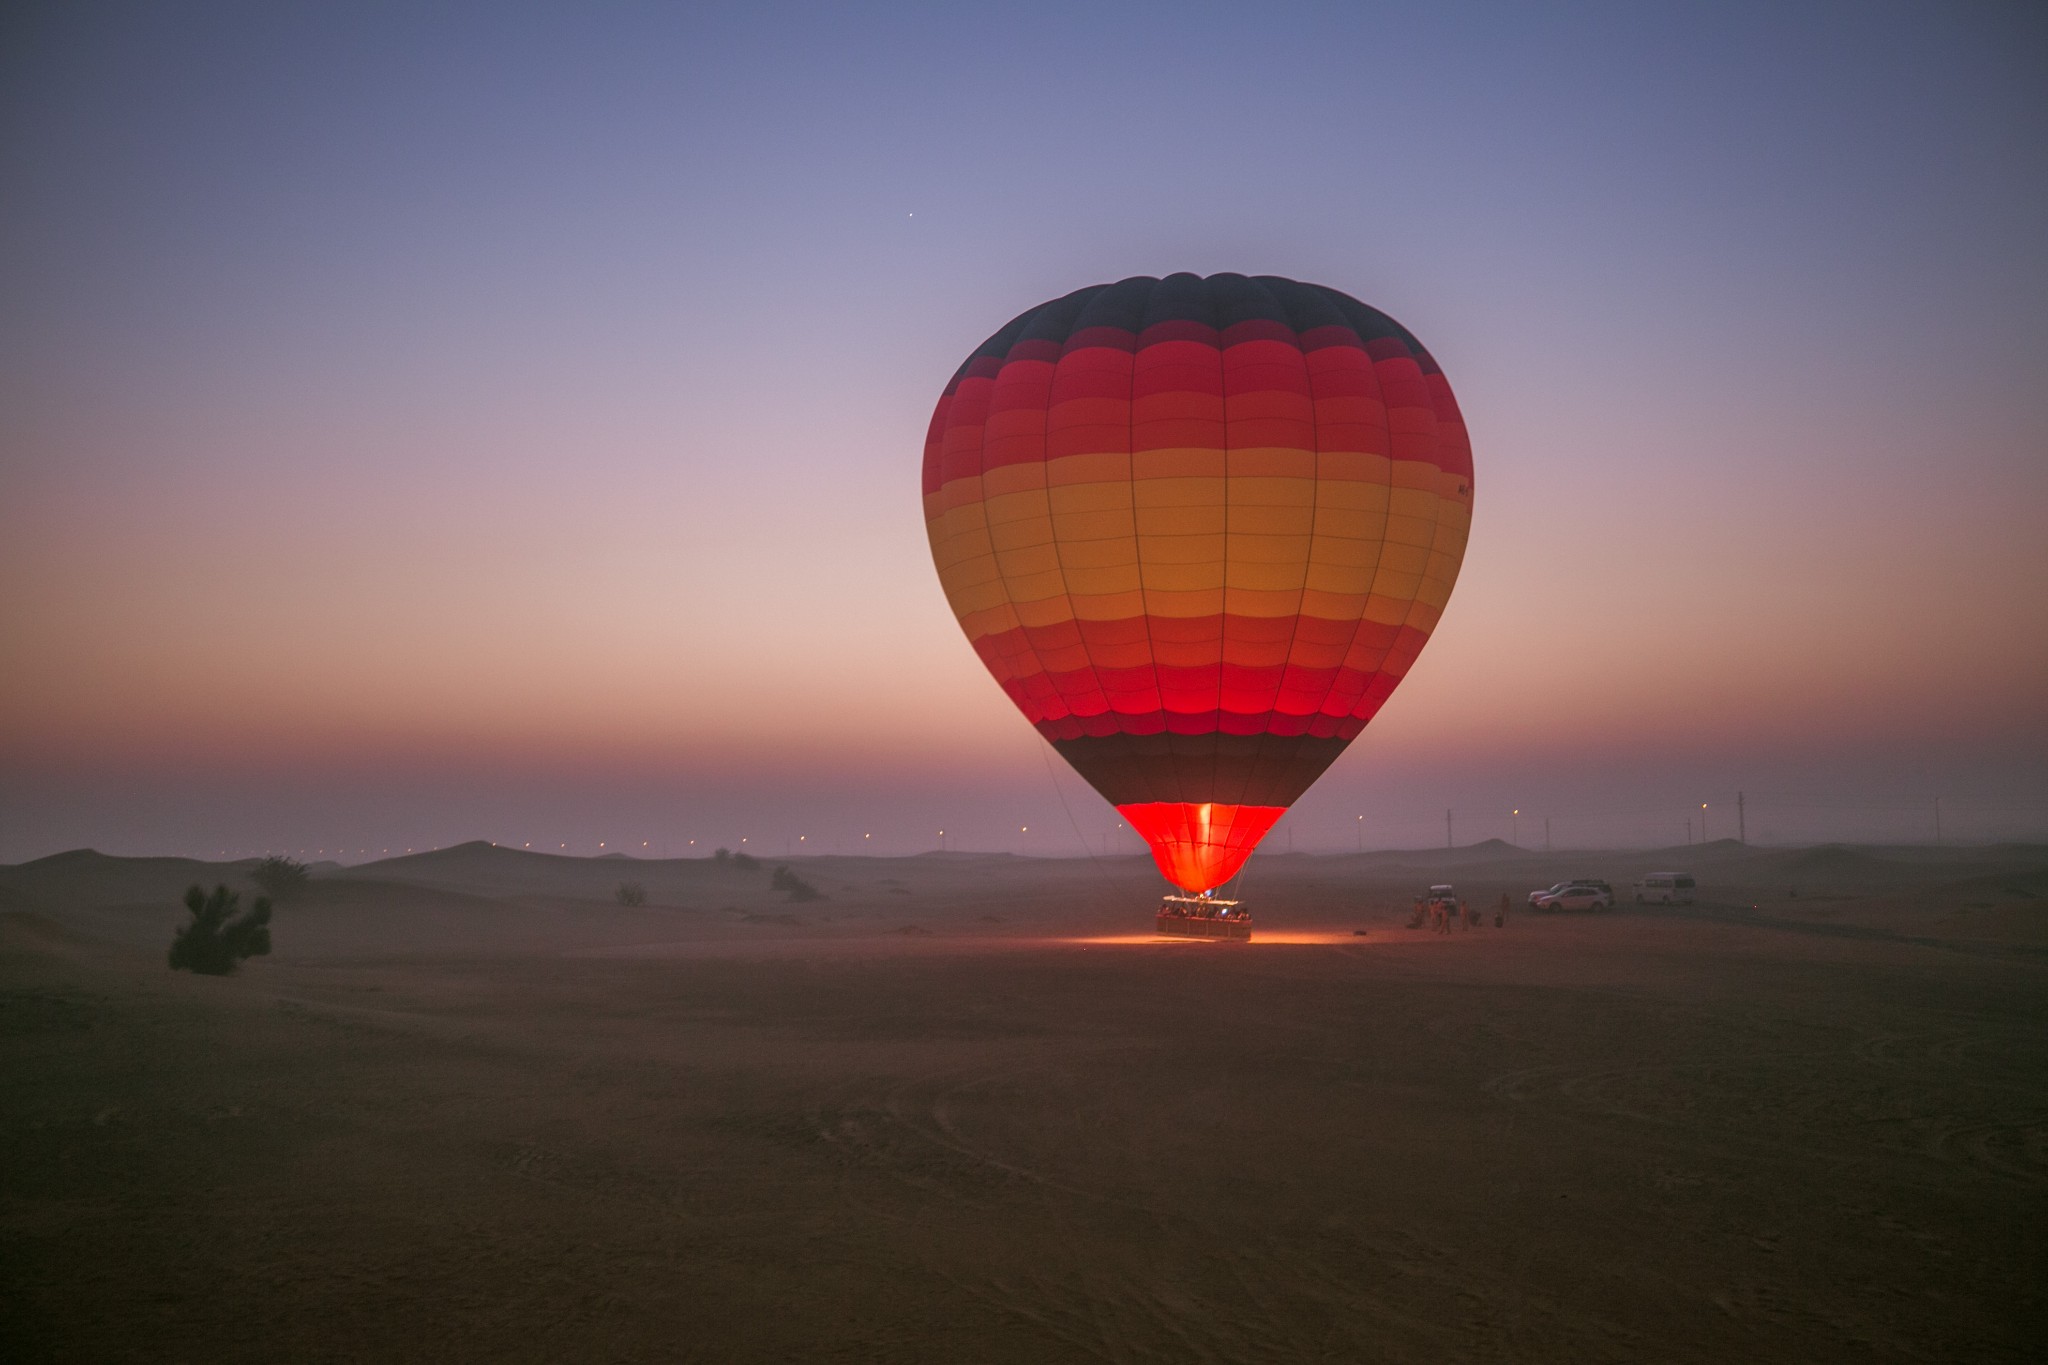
<point x="1500" y="916"/>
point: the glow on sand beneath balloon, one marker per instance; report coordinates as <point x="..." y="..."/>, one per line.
<point x="1260" y="937"/>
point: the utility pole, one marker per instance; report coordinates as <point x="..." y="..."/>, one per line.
<point x="1518" y="827"/>
<point x="1703" y="822"/>
<point x="1937" y="822"/>
<point x="1448" y="841"/>
<point x="1741" y="822"/>
<point x="1546" y="834"/>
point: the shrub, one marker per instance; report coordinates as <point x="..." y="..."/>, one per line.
<point x="724" y="855"/>
<point x="799" y="890"/>
<point x="218" y="938"/>
<point x="280" y="877"/>
<point x="632" y="893"/>
<point x="746" y="862"/>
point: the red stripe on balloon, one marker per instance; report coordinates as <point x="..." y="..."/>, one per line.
<point x="1198" y="847"/>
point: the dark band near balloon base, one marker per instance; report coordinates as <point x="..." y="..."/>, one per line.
<point x="1244" y="770"/>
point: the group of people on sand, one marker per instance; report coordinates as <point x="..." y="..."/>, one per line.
<point x="1441" y="916"/>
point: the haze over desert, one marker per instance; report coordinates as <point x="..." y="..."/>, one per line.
<point x="963" y="1108"/>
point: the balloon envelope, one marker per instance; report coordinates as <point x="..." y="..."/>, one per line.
<point x="1198" y="529"/>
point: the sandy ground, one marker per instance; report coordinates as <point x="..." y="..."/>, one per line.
<point x="965" y="1110"/>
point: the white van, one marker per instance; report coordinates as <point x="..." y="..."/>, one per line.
<point x="1665" y="888"/>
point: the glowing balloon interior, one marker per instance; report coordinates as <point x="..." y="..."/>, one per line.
<point x="1199" y="529"/>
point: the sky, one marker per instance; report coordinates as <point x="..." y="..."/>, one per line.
<point x="422" y="423"/>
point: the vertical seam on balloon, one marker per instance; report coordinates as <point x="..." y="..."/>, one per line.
<point x="1009" y="593"/>
<point x="1223" y="605"/>
<point x="1052" y="517"/>
<point x="1380" y="550"/>
<point x="1315" y="485"/>
<point x="1095" y="670"/>
<point x="1137" y="533"/>
<point x="1051" y="525"/>
<point x="981" y="509"/>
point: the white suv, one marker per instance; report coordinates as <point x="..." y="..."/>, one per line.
<point x="1581" y="888"/>
<point x="1581" y="897"/>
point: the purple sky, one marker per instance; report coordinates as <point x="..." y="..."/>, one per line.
<point x="426" y="423"/>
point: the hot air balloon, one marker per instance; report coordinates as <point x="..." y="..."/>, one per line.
<point x="1198" y="529"/>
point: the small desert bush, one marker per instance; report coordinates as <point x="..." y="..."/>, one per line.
<point x="218" y="938"/>
<point x="280" y="877"/>
<point x="799" y="890"/>
<point x="632" y="893"/>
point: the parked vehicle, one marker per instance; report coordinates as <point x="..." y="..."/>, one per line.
<point x="1592" y="883"/>
<point x="1577" y="896"/>
<point x="1665" y="888"/>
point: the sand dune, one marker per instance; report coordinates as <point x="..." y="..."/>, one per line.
<point x="966" y="1109"/>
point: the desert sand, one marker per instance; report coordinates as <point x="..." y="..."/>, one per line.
<point x="966" y="1109"/>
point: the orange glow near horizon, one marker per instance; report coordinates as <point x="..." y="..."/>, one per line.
<point x="124" y="650"/>
<point x="1293" y="938"/>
